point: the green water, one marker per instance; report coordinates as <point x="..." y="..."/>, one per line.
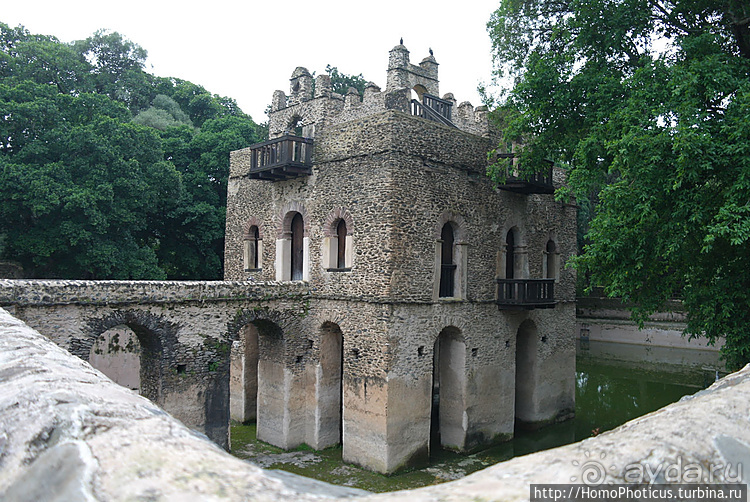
<point x="614" y="383"/>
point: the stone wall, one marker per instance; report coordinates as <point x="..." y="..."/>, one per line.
<point x="609" y="320"/>
<point x="387" y="173"/>
<point x="396" y="179"/>
<point x="184" y="329"/>
<point x="68" y="432"/>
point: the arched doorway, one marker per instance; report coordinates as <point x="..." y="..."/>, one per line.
<point x="448" y="391"/>
<point x="526" y="373"/>
<point x="117" y="354"/>
<point x="243" y="376"/>
<point x="329" y="418"/>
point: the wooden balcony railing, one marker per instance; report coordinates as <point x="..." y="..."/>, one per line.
<point x="433" y="108"/>
<point x="537" y="182"/>
<point x="526" y="294"/>
<point x="282" y="158"/>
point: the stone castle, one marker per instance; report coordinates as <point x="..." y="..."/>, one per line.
<point x="440" y="312"/>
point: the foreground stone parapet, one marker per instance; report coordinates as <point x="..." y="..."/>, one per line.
<point x="69" y="433"/>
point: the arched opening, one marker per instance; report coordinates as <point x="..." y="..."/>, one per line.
<point x="510" y="254"/>
<point x="330" y="395"/>
<point x="526" y="362"/>
<point x="252" y="244"/>
<point x="448" y="383"/>
<point x="295" y="124"/>
<point x="417" y="92"/>
<point x="551" y="262"/>
<point x="341" y="242"/>
<point x="272" y="395"/>
<point x="297" y="247"/>
<point x="117" y="354"/>
<point x="243" y="376"/>
<point x="447" y="263"/>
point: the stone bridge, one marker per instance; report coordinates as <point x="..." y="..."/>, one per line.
<point x="183" y="332"/>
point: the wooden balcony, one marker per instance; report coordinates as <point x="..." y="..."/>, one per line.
<point x="537" y="182"/>
<point x="525" y="294"/>
<point x="282" y="158"/>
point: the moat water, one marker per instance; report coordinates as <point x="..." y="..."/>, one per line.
<point x="614" y="383"/>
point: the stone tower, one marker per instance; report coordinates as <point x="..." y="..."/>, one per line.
<point x="440" y="313"/>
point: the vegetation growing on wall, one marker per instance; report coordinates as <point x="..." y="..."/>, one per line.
<point x="107" y="171"/>
<point x="648" y="103"/>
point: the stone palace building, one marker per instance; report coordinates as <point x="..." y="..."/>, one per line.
<point x="441" y="313"/>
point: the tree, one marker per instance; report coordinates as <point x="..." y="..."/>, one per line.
<point x="646" y="102"/>
<point x="103" y="172"/>
<point x="341" y="82"/>
<point x="82" y="189"/>
<point x="164" y="112"/>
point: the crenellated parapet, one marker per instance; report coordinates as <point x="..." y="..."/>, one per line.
<point x="311" y="105"/>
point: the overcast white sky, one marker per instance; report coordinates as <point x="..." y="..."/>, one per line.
<point x="246" y="50"/>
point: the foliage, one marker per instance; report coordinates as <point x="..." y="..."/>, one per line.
<point x="164" y="112"/>
<point x="647" y="102"/>
<point x="107" y="171"/>
<point x="341" y="82"/>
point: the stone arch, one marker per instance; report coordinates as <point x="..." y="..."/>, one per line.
<point x="283" y="359"/>
<point x="514" y="262"/>
<point x="293" y="244"/>
<point x="243" y="375"/>
<point x="252" y="239"/>
<point x="457" y="222"/>
<point x="339" y="213"/>
<point x="294" y="125"/>
<point x="551" y="259"/>
<point x="329" y="387"/>
<point x="419" y="90"/>
<point x="156" y="336"/>
<point x="448" y="390"/>
<point x="338" y="240"/>
<point x="284" y="219"/>
<point x="527" y="344"/>
<point x="253" y="222"/>
<point x="117" y="354"/>
<point x="451" y="255"/>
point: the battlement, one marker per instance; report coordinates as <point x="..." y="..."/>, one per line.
<point x="311" y="105"/>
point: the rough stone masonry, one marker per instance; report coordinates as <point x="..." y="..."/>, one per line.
<point x="402" y="238"/>
<point x="69" y="433"/>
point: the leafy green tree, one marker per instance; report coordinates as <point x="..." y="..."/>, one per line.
<point x="117" y="68"/>
<point x="164" y="112"/>
<point x="648" y="103"/>
<point x="103" y="172"/>
<point x="341" y="82"/>
<point x="198" y="219"/>
<point x="82" y="189"/>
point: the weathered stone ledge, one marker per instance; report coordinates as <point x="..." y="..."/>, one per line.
<point x="62" y="292"/>
<point x="68" y="431"/>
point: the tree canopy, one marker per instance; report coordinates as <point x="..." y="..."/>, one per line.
<point x="107" y="171"/>
<point x="647" y="104"/>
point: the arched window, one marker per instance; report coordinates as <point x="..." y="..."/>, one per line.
<point x="253" y="249"/>
<point x="341" y="241"/>
<point x="447" y="265"/>
<point x="510" y="255"/>
<point x="292" y="245"/>
<point x="551" y="260"/>
<point x="297" y="248"/>
<point x="337" y="241"/>
<point x="450" y="280"/>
